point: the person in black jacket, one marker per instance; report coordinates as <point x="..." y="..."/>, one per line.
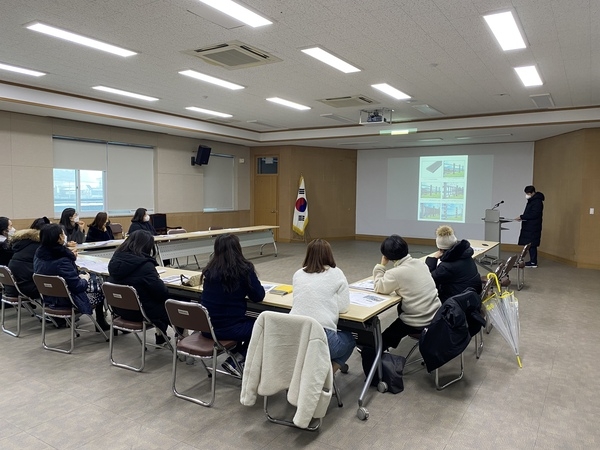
<point x="99" y="230"/>
<point x="53" y="257"/>
<point x="531" y="226"/>
<point x="141" y="221"/>
<point x="24" y="244"/>
<point x="133" y="264"/>
<point x="6" y="231"/>
<point x="74" y="228"/>
<point x="452" y="266"/>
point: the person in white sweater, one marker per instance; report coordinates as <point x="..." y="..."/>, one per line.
<point x="410" y="279"/>
<point x="321" y="292"/>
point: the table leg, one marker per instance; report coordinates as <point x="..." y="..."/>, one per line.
<point x="363" y="413"/>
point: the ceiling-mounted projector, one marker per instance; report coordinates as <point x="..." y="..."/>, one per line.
<point x="375" y="116"/>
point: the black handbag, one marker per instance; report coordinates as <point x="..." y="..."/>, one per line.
<point x="392" y="366"/>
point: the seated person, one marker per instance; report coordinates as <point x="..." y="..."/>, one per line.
<point x="141" y="221"/>
<point x="24" y="244"/>
<point x="74" y="228"/>
<point x="410" y="279"/>
<point x="99" y="230"/>
<point x="6" y="231"/>
<point x="133" y="264"/>
<point x="452" y="266"/>
<point x="321" y="292"/>
<point x="54" y="257"/>
<point x="229" y="281"/>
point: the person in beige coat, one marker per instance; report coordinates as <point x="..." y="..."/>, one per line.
<point x="410" y="279"/>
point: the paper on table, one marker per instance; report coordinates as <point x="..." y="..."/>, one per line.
<point x="478" y="249"/>
<point x="160" y="270"/>
<point x="367" y="285"/>
<point x="94" y="266"/>
<point x="363" y="299"/>
<point x="268" y="287"/>
<point x="172" y="279"/>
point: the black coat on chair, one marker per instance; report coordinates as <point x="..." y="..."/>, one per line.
<point x="450" y="332"/>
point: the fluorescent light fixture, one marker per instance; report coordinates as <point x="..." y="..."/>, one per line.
<point x="463" y="138"/>
<point x="34" y="73"/>
<point x="288" y="103"/>
<point x="125" y="93"/>
<point x="529" y="76"/>
<point x="483" y="136"/>
<point x="209" y="79"/>
<point x="398" y="132"/>
<point x="392" y="91"/>
<point x="338" y="118"/>
<point x="430" y="140"/>
<point x="208" y="112"/>
<point x="505" y="30"/>
<point x="332" y="60"/>
<point x="238" y="12"/>
<point x="78" y="39"/>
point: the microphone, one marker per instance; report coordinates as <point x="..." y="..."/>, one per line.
<point x="498" y="204"/>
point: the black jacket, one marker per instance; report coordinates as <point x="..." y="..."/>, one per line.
<point x="75" y="234"/>
<point x="531" y="225"/>
<point x="140" y="273"/>
<point x="24" y="244"/>
<point x="97" y="235"/>
<point x="451" y="329"/>
<point x="456" y="271"/>
<point x="142" y="226"/>
<point x="5" y="253"/>
<point x="59" y="260"/>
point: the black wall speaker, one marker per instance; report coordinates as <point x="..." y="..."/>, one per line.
<point x="202" y="156"/>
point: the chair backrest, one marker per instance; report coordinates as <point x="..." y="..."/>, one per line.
<point x="177" y="231"/>
<point x="189" y="316"/>
<point x="524" y="253"/>
<point x="52" y="286"/>
<point x="116" y="228"/>
<point x="6" y="277"/>
<point x="122" y="296"/>
<point x="510" y="263"/>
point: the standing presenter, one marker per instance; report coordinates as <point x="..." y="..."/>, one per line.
<point x="531" y="223"/>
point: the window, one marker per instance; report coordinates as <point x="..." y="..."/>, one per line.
<point x="267" y="165"/>
<point x="93" y="176"/>
<point x="79" y="189"/>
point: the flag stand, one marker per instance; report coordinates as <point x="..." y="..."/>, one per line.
<point x="304" y="238"/>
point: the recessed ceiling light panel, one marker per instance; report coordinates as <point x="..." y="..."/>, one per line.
<point x="78" y="39"/>
<point x="330" y="59"/>
<point x="208" y="112"/>
<point x="529" y="76"/>
<point x="22" y="70"/>
<point x="287" y="103"/>
<point x="238" y="12"/>
<point x="391" y="91"/>
<point x="506" y="30"/>
<point x="212" y="80"/>
<point x="125" y="93"/>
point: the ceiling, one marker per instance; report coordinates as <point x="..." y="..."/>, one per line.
<point x="440" y="52"/>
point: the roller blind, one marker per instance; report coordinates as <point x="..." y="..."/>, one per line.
<point x="219" y="183"/>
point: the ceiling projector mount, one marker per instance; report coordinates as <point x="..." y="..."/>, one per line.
<point x="377" y="116"/>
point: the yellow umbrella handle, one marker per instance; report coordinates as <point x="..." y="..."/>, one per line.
<point x="495" y="277"/>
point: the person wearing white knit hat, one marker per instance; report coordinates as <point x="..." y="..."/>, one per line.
<point x="452" y="266"/>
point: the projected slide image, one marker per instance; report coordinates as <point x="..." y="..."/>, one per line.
<point x="429" y="211"/>
<point x="453" y="212"/>
<point x="431" y="190"/>
<point x="453" y="191"/>
<point x="455" y="168"/>
<point x="443" y="188"/>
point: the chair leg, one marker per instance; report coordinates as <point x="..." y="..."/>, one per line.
<point x="454" y="380"/>
<point x="18" y="307"/>
<point x="337" y="393"/>
<point x="70" y="322"/>
<point x="142" y="344"/>
<point x="479" y="343"/>
<point x="520" y="278"/>
<point x="213" y="381"/>
<point x="288" y="423"/>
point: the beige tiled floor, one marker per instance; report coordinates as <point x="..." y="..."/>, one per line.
<point x="49" y="400"/>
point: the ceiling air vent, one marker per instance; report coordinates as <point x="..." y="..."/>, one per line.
<point x="233" y="55"/>
<point x="350" y="100"/>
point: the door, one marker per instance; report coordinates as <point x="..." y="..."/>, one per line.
<point x="265" y="201"/>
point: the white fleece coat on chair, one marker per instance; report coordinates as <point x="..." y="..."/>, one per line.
<point x="289" y="352"/>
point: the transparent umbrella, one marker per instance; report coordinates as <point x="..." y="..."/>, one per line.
<point x="503" y="310"/>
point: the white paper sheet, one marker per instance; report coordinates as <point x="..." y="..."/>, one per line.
<point x="367" y="285"/>
<point x="365" y="299"/>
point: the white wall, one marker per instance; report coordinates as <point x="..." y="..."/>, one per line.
<point x="496" y="172"/>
